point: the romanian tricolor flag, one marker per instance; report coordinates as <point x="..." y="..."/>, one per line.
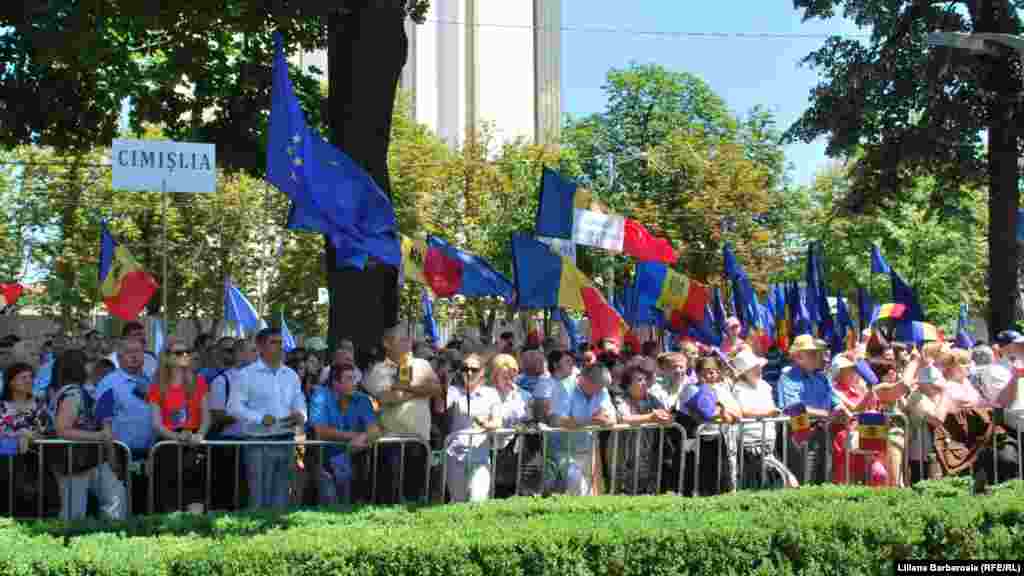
<point x="125" y="286"/>
<point x="890" y="311"/>
<point x="545" y="280"/>
<point x="671" y="292"/>
<point x="799" y="423"/>
<point x="917" y="332"/>
<point x="873" y="430"/>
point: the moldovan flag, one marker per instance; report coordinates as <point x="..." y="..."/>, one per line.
<point x="10" y="293"/>
<point x="125" y="286"/>
<point x="543" y="280"/>
<point x="873" y="429"/>
<point x="799" y="423"/>
<point x="671" y="292"/>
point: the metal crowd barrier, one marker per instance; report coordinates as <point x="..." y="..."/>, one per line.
<point x="40" y="445"/>
<point x="767" y="448"/>
<point x="401" y="439"/>
<point x="543" y="431"/>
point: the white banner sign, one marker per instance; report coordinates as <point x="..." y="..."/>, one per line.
<point x="323" y="296"/>
<point x="605" y="231"/>
<point x="561" y="246"/>
<point x="155" y="165"/>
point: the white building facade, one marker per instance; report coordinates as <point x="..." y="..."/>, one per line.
<point x="493" y="61"/>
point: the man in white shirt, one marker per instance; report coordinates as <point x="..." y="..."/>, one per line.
<point x="268" y="403"/>
<point x="404" y="387"/>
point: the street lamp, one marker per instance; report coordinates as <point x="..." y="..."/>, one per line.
<point x="1000" y="135"/>
<point x="976" y="42"/>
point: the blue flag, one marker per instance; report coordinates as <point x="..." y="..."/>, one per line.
<point x="963" y="334"/>
<point x="287" y="340"/>
<point x="330" y="193"/>
<point x="570" y="327"/>
<point x="878" y="263"/>
<point x="157" y="327"/>
<point x="556" y="208"/>
<point x="429" y="325"/>
<point x="239" y="310"/>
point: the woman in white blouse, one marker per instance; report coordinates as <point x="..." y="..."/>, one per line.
<point x="474" y="409"/>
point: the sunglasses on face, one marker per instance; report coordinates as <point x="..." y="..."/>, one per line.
<point x="181" y="353"/>
<point x="472" y="369"/>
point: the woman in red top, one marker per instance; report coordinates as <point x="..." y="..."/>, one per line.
<point x="855" y="397"/>
<point x="180" y="413"/>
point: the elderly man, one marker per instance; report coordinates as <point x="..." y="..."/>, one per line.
<point x="267" y="400"/>
<point x="805" y="384"/>
<point x="404" y="386"/>
<point x="589" y="404"/>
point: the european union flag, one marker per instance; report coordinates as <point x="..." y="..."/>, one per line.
<point x="287" y="340"/>
<point x="239" y="310"/>
<point x="330" y="193"/>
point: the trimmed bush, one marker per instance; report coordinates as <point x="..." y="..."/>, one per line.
<point x="819" y="530"/>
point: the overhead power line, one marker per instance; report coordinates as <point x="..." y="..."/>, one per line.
<point x="677" y="34"/>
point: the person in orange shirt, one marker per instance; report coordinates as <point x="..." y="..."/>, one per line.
<point x="181" y="413"/>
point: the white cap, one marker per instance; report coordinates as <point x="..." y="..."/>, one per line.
<point x="746" y="361"/>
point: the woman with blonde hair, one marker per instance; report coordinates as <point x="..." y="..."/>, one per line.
<point x="181" y="413"/>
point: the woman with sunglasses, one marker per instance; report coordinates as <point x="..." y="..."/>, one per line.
<point x="473" y="408"/>
<point x="181" y="413"/>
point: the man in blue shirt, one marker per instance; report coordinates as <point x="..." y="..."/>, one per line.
<point x="122" y="409"/>
<point x="340" y="414"/>
<point x="804" y="383"/>
<point x="121" y="400"/>
<point x="589" y="404"/>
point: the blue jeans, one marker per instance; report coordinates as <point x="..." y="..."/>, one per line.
<point x="268" y="470"/>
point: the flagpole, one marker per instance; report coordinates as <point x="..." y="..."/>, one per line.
<point x="163" y="291"/>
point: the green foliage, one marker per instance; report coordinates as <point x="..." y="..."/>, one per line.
<point x="940" y="253"/>
<point x="685" y="166"/>
<point x="808" y="531"/>
<point x="200" y="69"/>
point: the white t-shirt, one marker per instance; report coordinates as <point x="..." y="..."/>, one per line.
<point x="407" y="417"/>
<point x="757" y="397"/>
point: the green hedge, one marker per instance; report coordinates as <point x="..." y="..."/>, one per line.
<point x="821" y="530"/>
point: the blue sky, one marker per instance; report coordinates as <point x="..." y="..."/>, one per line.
<point x="743" y="71"/>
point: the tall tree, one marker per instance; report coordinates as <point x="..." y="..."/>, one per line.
<point x="903" y="110"/>
<point x="202" y="70"/>
<point x="683" y="164"/>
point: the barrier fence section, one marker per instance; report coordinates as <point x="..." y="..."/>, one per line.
<point x="492" y="440"/>
<point x="38" y="450"/>
<point x="402" y="440"/>
<point x="918" y="447"/>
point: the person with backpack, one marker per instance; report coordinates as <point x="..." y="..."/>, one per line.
<point x="229" y="489"/>
<point x="76" y="419"/>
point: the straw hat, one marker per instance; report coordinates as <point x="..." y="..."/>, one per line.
<point x="805" y="343"/>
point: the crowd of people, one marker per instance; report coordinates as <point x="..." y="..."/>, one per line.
<point x="530" y="417"/>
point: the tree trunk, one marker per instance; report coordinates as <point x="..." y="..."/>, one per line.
<point x="367" y="49"/>
<point x="1003" y="176"/>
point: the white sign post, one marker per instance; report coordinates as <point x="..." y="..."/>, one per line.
<point x="144" y="165"/>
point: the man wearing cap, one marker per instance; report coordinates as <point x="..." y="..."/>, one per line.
<point x="995" y="379"/>
<point x="804" y="383"/>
